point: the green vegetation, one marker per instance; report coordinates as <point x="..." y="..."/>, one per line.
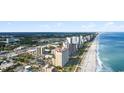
<point x="59" y="68"/>
<point x="35" y="68"/>
<point x="5" y="47"/>
<point x="24" y="58"/>
<point x="82" y="50"/>
<point x="2" y="45"/>
<point x="70" y="66"/>
<point x="28" y="41"/>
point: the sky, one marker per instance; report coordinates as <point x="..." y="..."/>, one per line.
<point x="61" y="26"/>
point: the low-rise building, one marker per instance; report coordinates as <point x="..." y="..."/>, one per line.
<point x="6" y="64"/>
<point x="32" y="51"/>
<point x="49" y="56"/>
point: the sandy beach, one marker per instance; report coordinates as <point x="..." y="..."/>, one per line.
<point x="89" y="61"/>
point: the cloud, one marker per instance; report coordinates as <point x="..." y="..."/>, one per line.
<point x="102" y="26"/>
<point x="91" y="25"/>
<point x="88" y="26"/>
<point x="8" y="23"/>
<point x="58" y="24"/>
<point x="109" y="23"/>
<point x="52" y="26"/>
<point x="83" y="26"/>
<point x="44" y="26"/>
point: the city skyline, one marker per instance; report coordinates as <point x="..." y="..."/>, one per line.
<point x="61" y="26"/>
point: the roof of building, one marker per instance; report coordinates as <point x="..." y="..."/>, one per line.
<point x="58" y="49"/>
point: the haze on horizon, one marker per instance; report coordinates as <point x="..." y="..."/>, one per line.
<point x="61" y="26"/>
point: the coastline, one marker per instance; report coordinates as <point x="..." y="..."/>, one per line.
<point x="101" y="67"/>
<point x="99" y="63"/>
<point x="90" y="61"/>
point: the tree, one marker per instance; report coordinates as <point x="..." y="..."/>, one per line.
<point x="59" y="68"/>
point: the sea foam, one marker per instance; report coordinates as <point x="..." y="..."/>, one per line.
<point x="100" y="66"/>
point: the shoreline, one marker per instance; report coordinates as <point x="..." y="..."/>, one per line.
<point x="99" y="64"/>
<point x="101" y="67"/>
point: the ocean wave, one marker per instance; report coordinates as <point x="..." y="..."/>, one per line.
<point x="100" y="66"/>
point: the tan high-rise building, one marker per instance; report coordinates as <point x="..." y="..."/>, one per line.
<point x="61" y="56"/>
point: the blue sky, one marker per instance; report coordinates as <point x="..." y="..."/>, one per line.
<point x="61" y="26"/>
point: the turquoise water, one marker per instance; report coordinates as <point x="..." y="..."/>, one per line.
<point x="111" y="51"/>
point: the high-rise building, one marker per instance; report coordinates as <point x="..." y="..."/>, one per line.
<point x="69" y="39"/>
<point x="76" y="40"/>
<point x="85" y="39"/>
<point x="72" y="49"/>
<point x="88" y="37"/>
<point x="81" y="39"/>
<point x="39" y="51"/>
<point x="74" y="43"/>
<point x="65" y="44"/>
<point x="61" y="56"/>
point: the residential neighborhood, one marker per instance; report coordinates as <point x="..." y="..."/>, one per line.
<point x="35" y="54"/>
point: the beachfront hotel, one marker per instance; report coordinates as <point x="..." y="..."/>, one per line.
<point x="61" y="56"/>
<point x="74" y="43"/>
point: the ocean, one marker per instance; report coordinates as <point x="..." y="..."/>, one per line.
<point x="110" y="52"/>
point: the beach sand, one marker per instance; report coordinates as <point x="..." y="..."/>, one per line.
<point x="89" y="61"/>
